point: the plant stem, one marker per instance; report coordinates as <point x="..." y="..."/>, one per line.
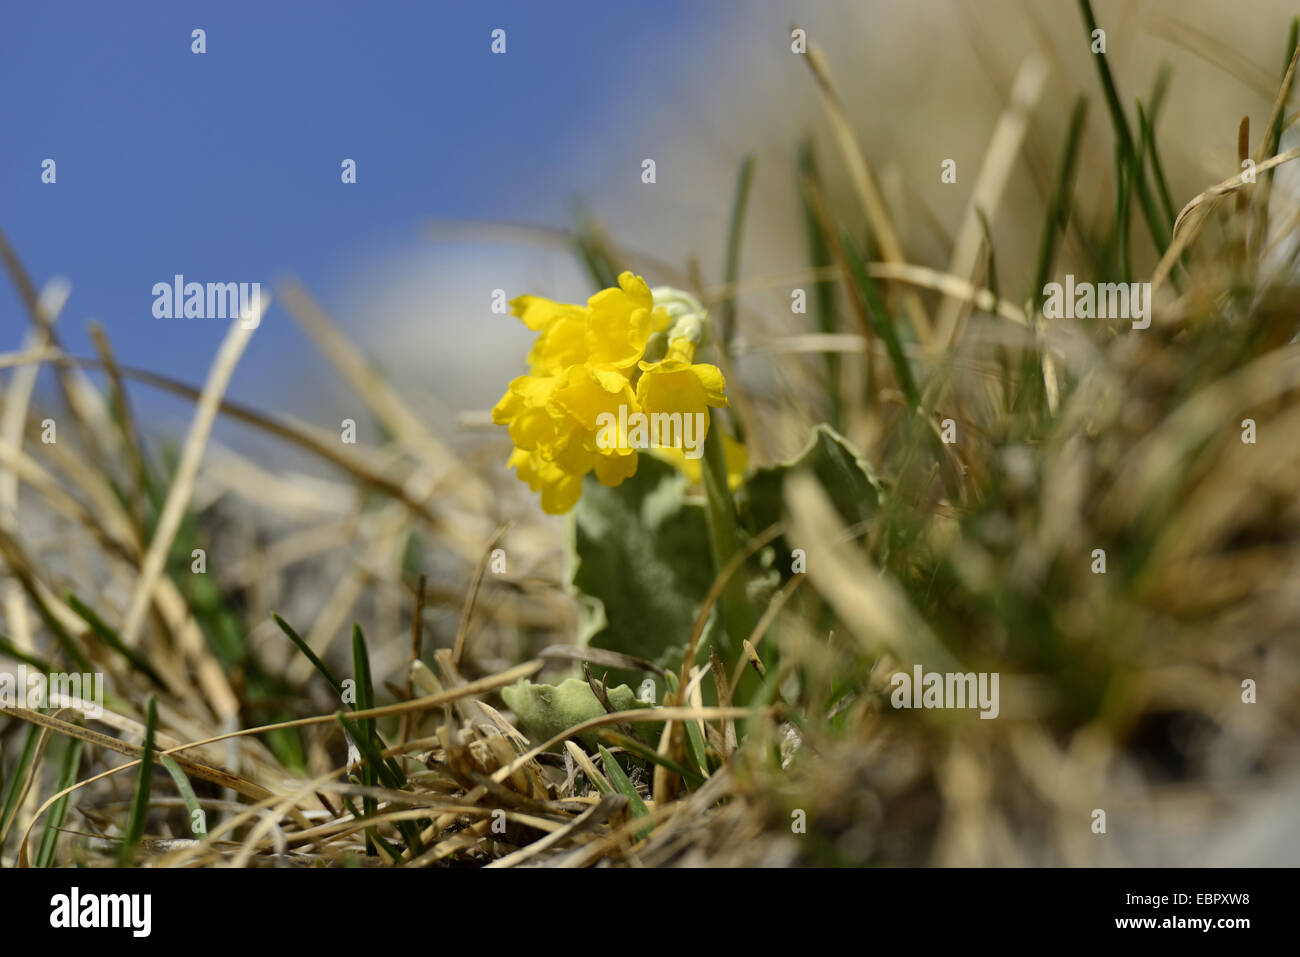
<point x="724" y="538"/>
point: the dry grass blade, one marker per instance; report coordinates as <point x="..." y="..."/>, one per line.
<point x="995" y="171"/>
<point x="462" y="631"/>
<point x="1202" y="205"/>
<point x="216" y="776"/>
<point x="1212" y="50"/>
<point x="380" y="397"/>
<point x="610" y="806"/>
<point x="864" y="184"/>
<point x="187" y="467"/>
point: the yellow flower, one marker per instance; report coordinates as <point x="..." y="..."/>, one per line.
<point x="587" y="368"/>
<point x="620" y="321"/>
<point x="674" y="384"/>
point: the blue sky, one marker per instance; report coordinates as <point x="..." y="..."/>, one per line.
<point x="225" y="166"/>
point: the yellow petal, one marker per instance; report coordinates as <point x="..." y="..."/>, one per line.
<point x="635" y="286"/>
<point x="510" y="405"/>
<point x="560" y="496"/>
<point x="562" y="344"/>
<point x="533" y="429"/>
<point x="536" y="391"/>
<point x="673" y="386"/>
<point x="536" y="313"/>
<point x="588" y="394"/>
<point x="613" y="469"/>
<point x="712" y="382"/>
<point x="619" y="322"/>
<point x="560" y="490"/>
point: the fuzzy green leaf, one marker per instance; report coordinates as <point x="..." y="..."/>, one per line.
<point x="847" y="478"/>
<point x="641" y="562"/>
<point x="548" y="710"/>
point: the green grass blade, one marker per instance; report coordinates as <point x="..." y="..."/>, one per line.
<point x="394" y="854"/>
<point x="1059" y="208"/>
<point x="696" y="741"/>
<point x="591" y="249"/>
<point x="388" y="770"/>
<point x="724" y="537"/>
<point x="10" y="650"/>
<point x="14" y="786"/>
<point x="366" y="726"/>
<point x="1147" y="120"/>
<point x="192" y="806"/>
<point x="311" y="656"/>
<point x="110" y="638"/>
<point x="624" y="787"/>
<point x="727" y="310"/>
<point x="361" y="674"/>
<point x="58" y="811"/>
<point x="1127" y="144"/>
<point x="1157" y="168"/>
<point x="69" y="647"/>
<point x="819" y="257"/>
<point x="1124" y="175"/>
<point x="374" y="766"/>
<point x="642" y="750"/>
<point x="140" y="806"/>
<point x="357" y="733"/>
<point x="880" y="320"/>
<point x="988" y="241"/>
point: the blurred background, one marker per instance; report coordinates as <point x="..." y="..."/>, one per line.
<point x="226" y="166"/>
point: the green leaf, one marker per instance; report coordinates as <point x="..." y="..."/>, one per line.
<point x="692" y="778"/>
<point x="641" y="561"/>
<point x="696" y="741"/>
<point x="624" y="787"/>
<point x="845" y="476"/>
<point x="548" y="710"/>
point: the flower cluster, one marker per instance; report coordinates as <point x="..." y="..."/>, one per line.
<point x="628" y="351"/>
